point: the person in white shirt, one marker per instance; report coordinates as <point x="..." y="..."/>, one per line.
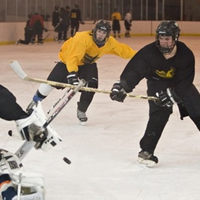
<point x="127" y="23"/>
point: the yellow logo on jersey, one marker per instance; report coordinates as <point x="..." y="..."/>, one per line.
<point x="73" y="15"/>
<point x="168" y="74"/>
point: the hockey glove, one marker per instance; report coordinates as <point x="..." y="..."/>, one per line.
<point x="167" y="98"/>
<point x="72" y="78"/>
<point x="117" y="92"/>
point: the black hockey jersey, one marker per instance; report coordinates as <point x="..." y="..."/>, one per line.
<point x="149" y="63"/>
<point x="75" y="15"/>
<point x="176" y="72"/>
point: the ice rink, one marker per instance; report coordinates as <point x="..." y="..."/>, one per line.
<point x="104" y="151"/>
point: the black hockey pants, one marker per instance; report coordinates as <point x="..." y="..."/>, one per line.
<point x="87" y="72"/>
<point x="9" y="109"/>
<point x="158" y="118"/>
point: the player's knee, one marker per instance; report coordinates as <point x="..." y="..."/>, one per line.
<point x="160" y="116"/>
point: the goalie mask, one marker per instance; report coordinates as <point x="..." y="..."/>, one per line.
<point x="167" y="28"/>
<point x="104" y="26"/>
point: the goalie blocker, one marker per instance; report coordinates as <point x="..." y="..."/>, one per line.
<point x="32" y="129"/>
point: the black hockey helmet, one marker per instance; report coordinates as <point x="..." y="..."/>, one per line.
<point x="101" y="25"/>
<point x="167" y="28"/>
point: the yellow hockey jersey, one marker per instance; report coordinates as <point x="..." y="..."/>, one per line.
<point x="81" y="49"/>
<point x="116" y="16"/>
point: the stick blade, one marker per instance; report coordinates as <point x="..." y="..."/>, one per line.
<point x="17" y="69"/>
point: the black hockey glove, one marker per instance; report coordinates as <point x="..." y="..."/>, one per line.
<point x="72" y="78"/>
<point x="167" y="98"/>
<point x="117" y="92"/>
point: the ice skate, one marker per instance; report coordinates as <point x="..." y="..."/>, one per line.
<point x="147" y="159"/>
<point x="81" y="116"/>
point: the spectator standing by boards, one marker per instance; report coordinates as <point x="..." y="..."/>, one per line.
<point x="127" y="23"/>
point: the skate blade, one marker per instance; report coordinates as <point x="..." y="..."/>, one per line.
<point x="146" y="163"/>
<point x="82" y="123"/>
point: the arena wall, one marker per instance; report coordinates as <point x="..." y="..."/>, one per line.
<point x="10" y="32"/>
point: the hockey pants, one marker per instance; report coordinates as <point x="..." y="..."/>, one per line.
<point x="10" y="109"/>
<point x="87" y="72"/>
<point x="158" y="118"/>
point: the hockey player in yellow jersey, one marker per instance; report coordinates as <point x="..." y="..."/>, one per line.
<point x="116" y="17"/>
<point x="78" y="57"/>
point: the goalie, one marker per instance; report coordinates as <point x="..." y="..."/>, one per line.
<point x="30" y="128"/>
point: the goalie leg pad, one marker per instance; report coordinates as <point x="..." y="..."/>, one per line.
<point x="24" y="126"/>
<point x="31" y="128"/>
<point x="51" y="140"/>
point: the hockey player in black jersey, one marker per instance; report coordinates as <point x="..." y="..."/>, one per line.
<point x="75" y="17"/>
<point x="168" y="65"/>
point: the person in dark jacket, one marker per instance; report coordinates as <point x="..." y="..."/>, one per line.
<point x="55" y="17"/>
<point x="64" y="23"/>
<point x="169" y="67"/>
<point x="75" y="17"/>
<point x="27" y="32"/>
<point x="37" y="24"/>
<point x="56" y="20"/>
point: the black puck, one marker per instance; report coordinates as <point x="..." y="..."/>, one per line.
<point x="67" y="160"/>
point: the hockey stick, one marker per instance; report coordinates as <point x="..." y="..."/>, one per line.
<point x="58" y="101"/>
<point x="46" y="37"/>
<point x="28" y="145"/>
<point x="19" y="187"/>
<point x="24" y="149"/>
<point x="20" y="72"/>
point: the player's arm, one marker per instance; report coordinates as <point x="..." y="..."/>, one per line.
<point x="133" y="73"/>
<point x="120" y="49"/>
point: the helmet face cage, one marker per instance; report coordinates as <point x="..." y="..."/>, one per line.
<point x="167" y="28"/>
<point x="101" y="25"/>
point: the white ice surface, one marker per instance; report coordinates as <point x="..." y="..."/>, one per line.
<point x="104" y="151"/>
